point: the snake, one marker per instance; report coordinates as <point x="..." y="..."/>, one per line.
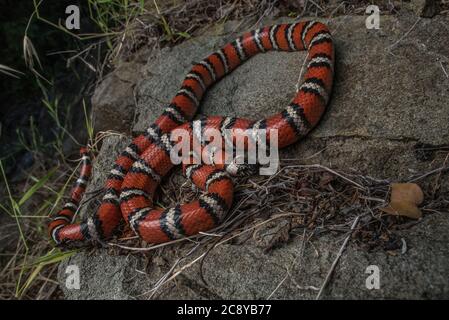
<point x="138" y="170"/>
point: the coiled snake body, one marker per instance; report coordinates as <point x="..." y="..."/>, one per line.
<point x="140" y="167"/>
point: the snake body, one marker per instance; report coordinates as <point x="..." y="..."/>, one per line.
<point x="138" y="170"/>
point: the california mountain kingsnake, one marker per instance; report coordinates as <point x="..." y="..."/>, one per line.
<point x="138" y="170"/>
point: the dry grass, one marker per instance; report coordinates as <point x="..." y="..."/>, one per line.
<point x="10" y="71"/>
<point x="168" y="22"/>
<point x="307" y="198"/>
<point x="161" y="23"/>
<point x="28" y="260"/>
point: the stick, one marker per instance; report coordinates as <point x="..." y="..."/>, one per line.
<point x="340" y="252"/>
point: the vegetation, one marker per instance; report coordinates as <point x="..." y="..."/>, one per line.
<point x="45" y="66"/>
<point x="47" y="75"/>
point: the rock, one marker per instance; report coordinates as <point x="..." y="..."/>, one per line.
<point x="247" y="272"/>
<point x="405" y="277"/>
<point x="390" y="95"/>
<point x="371" y="72"/>
<point x="102" y="276"/>
<point x="113" y="101"/>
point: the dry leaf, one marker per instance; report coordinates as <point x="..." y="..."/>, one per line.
<point x="405" y="198"/>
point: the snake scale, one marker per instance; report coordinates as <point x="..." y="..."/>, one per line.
<point x="138" y="170"/>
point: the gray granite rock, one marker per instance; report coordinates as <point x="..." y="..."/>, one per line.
<point x="113" y="102"/>
<point x="391" y="92"/>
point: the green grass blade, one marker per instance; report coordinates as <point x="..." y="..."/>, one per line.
<point x="38" y="185"/>
<point x="54" y="256"/>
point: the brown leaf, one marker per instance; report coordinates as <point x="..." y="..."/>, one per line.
<point x="404" y="201"/>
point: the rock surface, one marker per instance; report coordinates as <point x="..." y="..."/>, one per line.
<point x="391" y="93"/>
<point x="113" y="102"/>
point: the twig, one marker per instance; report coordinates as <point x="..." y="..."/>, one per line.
<point x="340" y="252"/>
<point x="404" y="35"/>
<point x="316" y="5"/>
<point x="301" y="253"/>
<point x="444" y="70"/>
<point x="319" y="166"/>
<point x="301" y="71"/>
<point x="152" y="247"/>
<point x="441" y="169"/>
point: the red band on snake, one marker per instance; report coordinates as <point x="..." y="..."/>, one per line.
<point x="137" y="171"/>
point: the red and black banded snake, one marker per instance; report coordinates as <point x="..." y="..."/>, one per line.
<point x="137" y="171"/>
